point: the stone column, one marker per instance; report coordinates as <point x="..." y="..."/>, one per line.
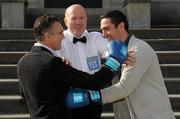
<point x="105" y="4"/>
<point x="138" y="13"/>
<point x="35" y="3"/>
<point x="12" y="13"/>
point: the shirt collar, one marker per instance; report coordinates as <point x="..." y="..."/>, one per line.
<point x="71" y="35"/>
<point x="48" y="48"/>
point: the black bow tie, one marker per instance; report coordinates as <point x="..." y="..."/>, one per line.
<point x="83" y="39"/>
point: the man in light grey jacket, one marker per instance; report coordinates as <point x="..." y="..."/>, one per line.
<point x="142" y="85"/>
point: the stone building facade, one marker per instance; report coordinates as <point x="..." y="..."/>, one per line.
<point x="140" y="13"/>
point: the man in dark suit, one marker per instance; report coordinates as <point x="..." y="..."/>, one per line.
<point x="45" y="79"/>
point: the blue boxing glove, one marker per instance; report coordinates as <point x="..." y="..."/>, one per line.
<point x="118" y="53"/>
<point x="77" y="98"/>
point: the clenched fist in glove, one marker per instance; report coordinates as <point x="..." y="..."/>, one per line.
<point x="117" y="54"/>
<point x="80" y="97"/>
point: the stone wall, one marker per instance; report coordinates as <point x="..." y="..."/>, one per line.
<point x="12" y="13"/>
<point x="115" y="4"/>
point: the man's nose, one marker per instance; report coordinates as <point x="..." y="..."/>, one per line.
<point x="78" y="21"/>
<point x="104" y="34"/>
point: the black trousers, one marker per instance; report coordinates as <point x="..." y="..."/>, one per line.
<point x="88" y="112"/>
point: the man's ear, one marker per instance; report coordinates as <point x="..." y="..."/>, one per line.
<point x="87" y="19"/>
<point x="46" y="35"/>
<point x="121" y="26"/>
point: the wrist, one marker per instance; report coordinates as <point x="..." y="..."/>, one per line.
<point x="113" y="64"/>
<point x="95" y="97"/>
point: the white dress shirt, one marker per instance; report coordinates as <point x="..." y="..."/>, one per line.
<point x="84" y="56"/>
<point x="48" y="48"/>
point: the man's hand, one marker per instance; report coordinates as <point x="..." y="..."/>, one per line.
<point x="131" y="59"/>
<point x="67" y="62"/>
<point x="77" y="98"/>
<point x="117" y="55"/>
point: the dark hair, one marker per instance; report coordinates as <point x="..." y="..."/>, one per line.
<point x="116" y="18"/>
<point x="43" y="24"/>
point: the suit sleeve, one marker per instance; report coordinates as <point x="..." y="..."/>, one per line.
<point x="131" y="75"/>
<point x="72" y="77"/>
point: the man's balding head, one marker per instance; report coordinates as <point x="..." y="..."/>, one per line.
<point x="76" y="19"/>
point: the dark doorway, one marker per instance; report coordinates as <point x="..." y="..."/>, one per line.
<point x="66" y="3"/>
<point x="165" y="14"/>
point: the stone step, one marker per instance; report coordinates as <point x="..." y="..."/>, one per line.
<point x="26" y="44"/>
<point x="20" y="34"/>
<point x="16" y="45"/>
<point x="175" y="102"/>
<point x="8" y="71"/>
<point x="153" y="33"/>
<point x="168" y="70"/>
<point x="172" y="85"/>
<point x="14" y="116"/>
<point x="11" y="86"/>
<point x="27" y="116"/>
<point x="165" y="57"/>
<point x="166" y="11"/>
<point x="110" y="115"/>
<point x="168" y="57"/>
<point x="107" y="115"/>
<point x="12" y="104"/>
<point x="33" y="13"/>
<point x="164" y="44"/>
<point x="10" y="57"/>
<point x="177" y="115"/>
<point x="16" y="105"/>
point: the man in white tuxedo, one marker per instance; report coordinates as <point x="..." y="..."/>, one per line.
<point x="142" y="85"/>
